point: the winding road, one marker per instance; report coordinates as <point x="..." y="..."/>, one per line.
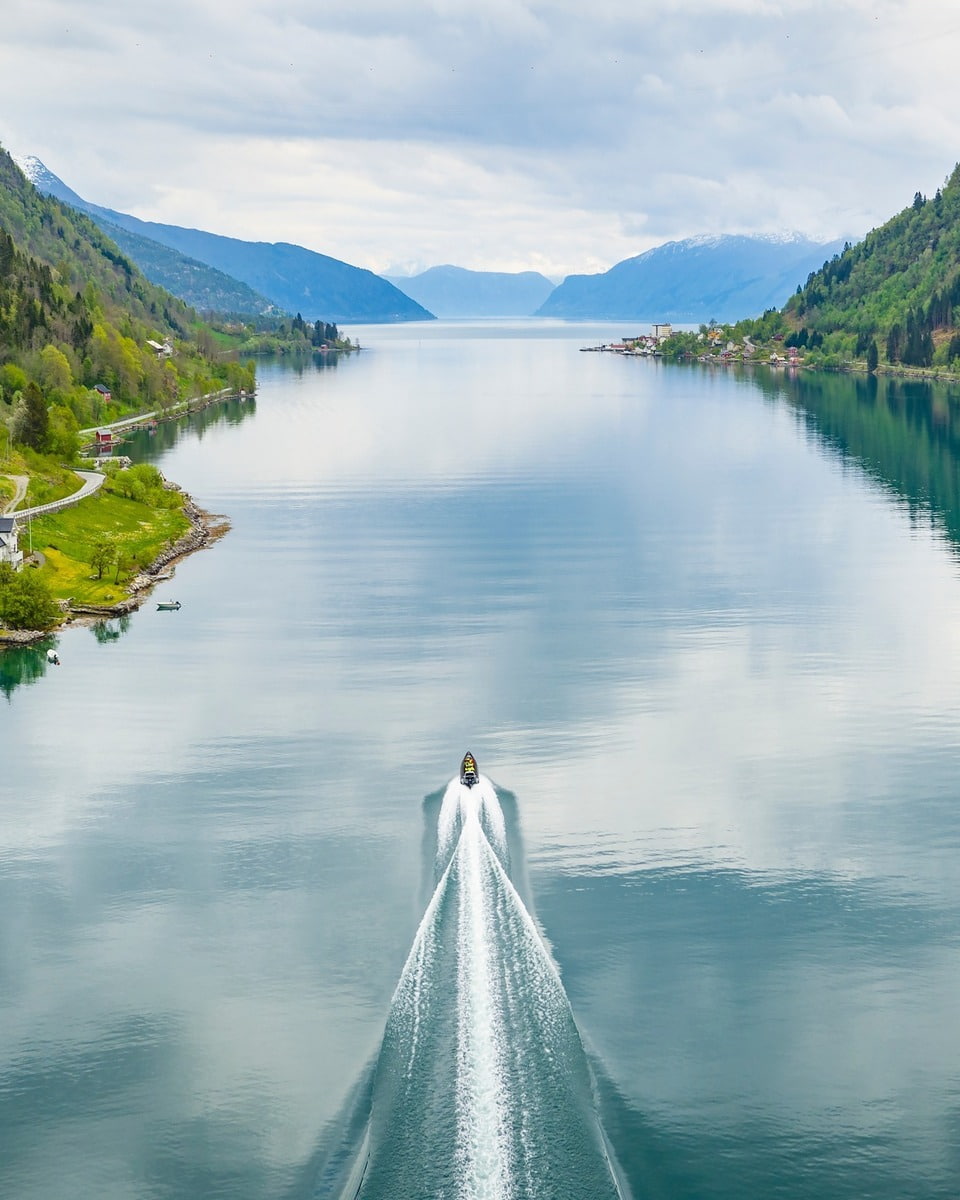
<point x="92" y="482"/>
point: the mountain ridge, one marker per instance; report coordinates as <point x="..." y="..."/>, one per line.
<point x="709" y="277"/>
<point x="289" y="276"/>
<point x="452" y="291"/>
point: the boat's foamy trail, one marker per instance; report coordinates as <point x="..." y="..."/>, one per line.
<point x="482" y="1090"/>
<point x="482" y="1138"/>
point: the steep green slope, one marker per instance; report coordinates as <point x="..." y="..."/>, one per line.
<point x="899" y="288"/>
<point x="202" y="287"/>
<point x="291" y="277"/>
<point x="75" y="313"/>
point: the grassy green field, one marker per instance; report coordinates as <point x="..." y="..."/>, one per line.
<point x="50" y="483"/>
<point x="69" y="540"/>
<point x="49" y="478"/>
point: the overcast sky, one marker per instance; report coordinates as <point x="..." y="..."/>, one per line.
<point x="554" y="135"/>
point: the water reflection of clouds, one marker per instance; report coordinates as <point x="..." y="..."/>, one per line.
<point x="381" y="424"/>
<point x="635" y="609"/>
<point x="200" y="906"/>
<point x="768" y="1013"/>
<point x="690" y="642"/>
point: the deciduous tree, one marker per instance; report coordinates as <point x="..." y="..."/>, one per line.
<point x="25" y="600"/>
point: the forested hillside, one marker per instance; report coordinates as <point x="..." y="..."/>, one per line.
<point x="202" y="287"/>
<point x="76" y="313"/>
<point x="292" y="278"/>
<point x="894" y="297"/>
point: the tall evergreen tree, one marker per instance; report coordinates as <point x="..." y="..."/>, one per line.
<point x="30" y="418"/>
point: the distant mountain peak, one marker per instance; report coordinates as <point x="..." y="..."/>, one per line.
<point x="44" y="180"/>
<point x="31" y="166"/>
<point x="459" y="292"/>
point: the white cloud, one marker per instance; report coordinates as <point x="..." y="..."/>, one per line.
<point x="505" y="135"/>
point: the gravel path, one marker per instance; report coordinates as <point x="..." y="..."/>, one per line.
<point x="21" y="482"/>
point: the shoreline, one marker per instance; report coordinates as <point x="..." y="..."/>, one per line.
<point x="205" y="529"/>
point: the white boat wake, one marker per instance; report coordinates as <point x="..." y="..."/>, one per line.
<point x="482" y="1089"/>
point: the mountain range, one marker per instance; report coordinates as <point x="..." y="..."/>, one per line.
<point x="289" y="277"/>
<point x="723" y="278"/>
<point x="450" y="291"/>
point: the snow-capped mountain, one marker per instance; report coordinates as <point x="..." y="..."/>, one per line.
<point x="724" y="277"/>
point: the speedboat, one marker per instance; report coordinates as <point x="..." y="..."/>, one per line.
<point x="168" y="605"/>
<point x="469" y="774"/>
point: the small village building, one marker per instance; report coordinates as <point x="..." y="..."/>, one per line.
<point x="10" y="551"/>
<point x="103" y="439"/>
<point x="102" y="391"/>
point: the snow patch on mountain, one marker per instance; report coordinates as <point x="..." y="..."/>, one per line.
<point x="31" y="166"/>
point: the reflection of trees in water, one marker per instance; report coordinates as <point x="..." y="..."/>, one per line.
<point x="21" y="665"/>
<point x="144" y="446"/>
<point x="905" y="433"/>
<point x="301" y="364"/>
<point x="111" y="630"/>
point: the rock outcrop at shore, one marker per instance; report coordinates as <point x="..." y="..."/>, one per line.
<point x="204" y="528"/>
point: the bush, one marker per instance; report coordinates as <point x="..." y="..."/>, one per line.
<point x="25" y="601"/>
<point x="143" y="483"/>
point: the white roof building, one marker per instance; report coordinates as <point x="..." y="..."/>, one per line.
<point x="9" y="549"/>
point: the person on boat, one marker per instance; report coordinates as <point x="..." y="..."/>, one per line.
<point x="469" y="774"/>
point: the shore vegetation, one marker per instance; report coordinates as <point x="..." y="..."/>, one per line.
<point x="92" y="551"/>
<point x="889" y="304"/>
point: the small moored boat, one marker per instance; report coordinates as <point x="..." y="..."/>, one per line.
<point x="53" y="657"/>
<point x="168" y="605"/>
<point x="469" y="774"/>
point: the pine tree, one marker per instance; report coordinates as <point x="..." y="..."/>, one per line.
<point x="31" y="420"/>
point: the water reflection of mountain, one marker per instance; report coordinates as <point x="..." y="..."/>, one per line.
<point x="905" y="433"/>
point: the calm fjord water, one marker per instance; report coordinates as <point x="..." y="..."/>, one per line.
<point x="704" y="627"/>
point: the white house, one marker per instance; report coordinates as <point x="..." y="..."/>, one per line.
<point x="9" y="551"/>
